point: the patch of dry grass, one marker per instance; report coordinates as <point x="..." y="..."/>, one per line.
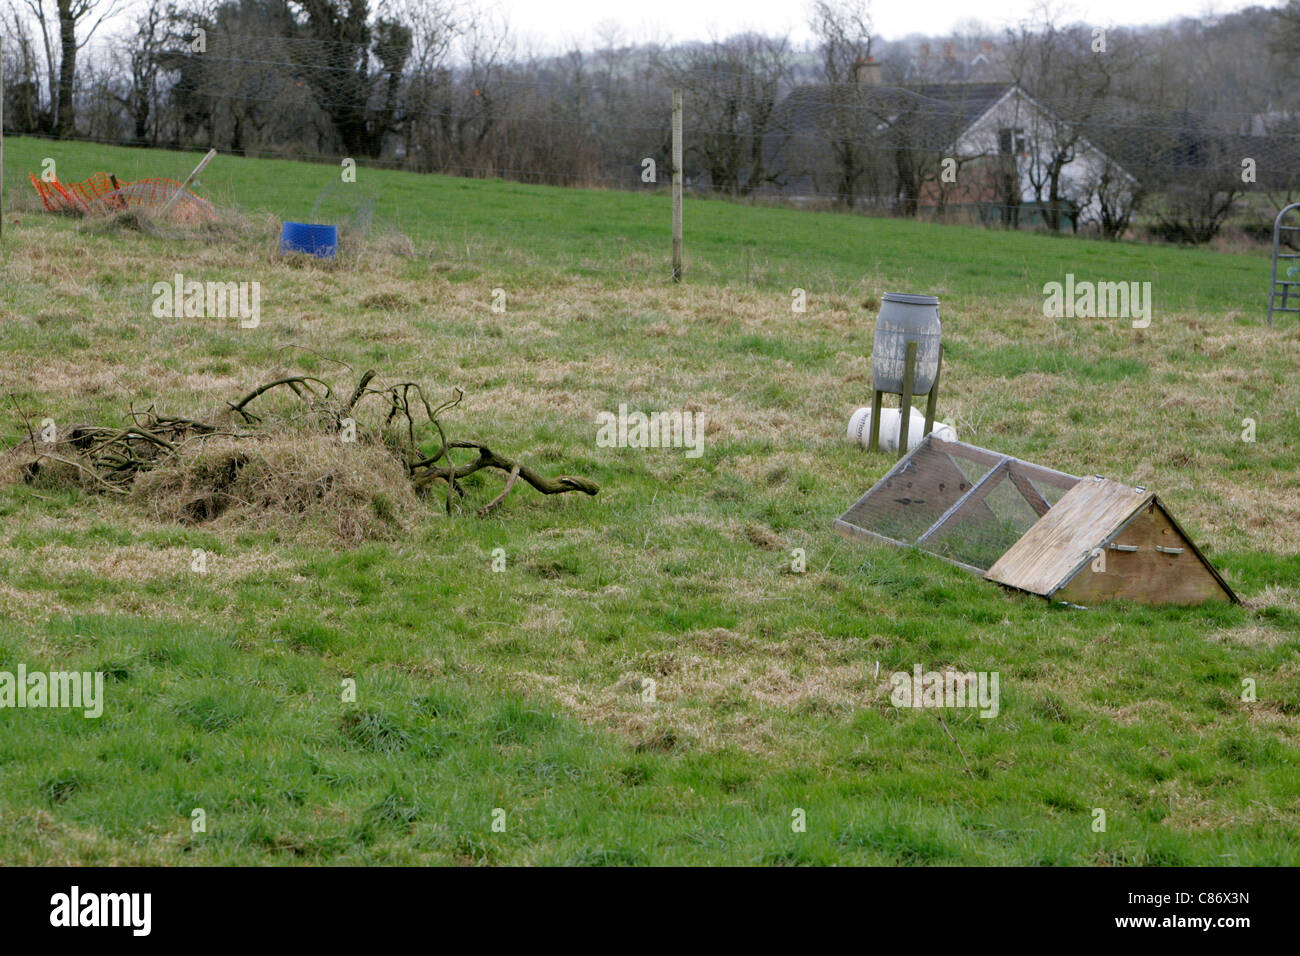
<point x="356" y="491"/>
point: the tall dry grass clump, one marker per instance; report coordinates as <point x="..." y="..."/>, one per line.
<point x="292" y="451"/>
<point x="356" y="492"/>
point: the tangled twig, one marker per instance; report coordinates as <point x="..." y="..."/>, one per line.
<point x="112" y="457"/>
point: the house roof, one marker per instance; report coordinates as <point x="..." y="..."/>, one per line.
<point x="970" y="101"/>
<point x="943" y="110"/>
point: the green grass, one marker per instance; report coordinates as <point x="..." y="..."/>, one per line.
<point x="512" y="229"/>
<point x="521" y="690"/>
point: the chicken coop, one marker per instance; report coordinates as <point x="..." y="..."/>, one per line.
<point x="1035" y="529"/>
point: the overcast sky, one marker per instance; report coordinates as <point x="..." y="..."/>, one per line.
<point x="561" y="24"/>
<point x="553" y="26"/>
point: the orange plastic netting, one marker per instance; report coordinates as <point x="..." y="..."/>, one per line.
<point x="103" y="194"/>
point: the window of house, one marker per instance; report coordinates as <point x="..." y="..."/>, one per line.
<point x="1011" y="140"/>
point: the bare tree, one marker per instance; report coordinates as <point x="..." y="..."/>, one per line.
<point x="733" y="86"/>
<point x="26" y="106"/>
<point x="45" y="21"/>
<point x="471" y="108"/>
<point x="1070" y="77"/>
<point x="434" y="27"/>
<point x="1118" y="196"/>
<point x="1205" y="186"/>
<point x="917" y="134"/>
<point x="141" y="99"/>
<point x="70" y="18"/>
<point x="843" y="32"/>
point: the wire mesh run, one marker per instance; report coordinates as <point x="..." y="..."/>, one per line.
<point x="964" y="504"/>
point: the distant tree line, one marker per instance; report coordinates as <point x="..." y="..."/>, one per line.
<point x="1185" y="125"/>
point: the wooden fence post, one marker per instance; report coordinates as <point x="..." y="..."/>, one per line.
<point x="2" y="135"/>
<point x="677" y="185"/>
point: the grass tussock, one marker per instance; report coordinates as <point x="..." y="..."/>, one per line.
<point x="305" y="457"/>
<point x="355" y="492"/>
<point x="291" y="482"/>
<point x="230" y="225"/>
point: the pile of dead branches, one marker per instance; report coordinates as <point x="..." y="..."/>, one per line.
<point x="406" y="430"/>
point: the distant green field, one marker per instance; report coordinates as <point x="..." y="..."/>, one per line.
<point x="523" y="697"/>
<point x="517" y="228"/>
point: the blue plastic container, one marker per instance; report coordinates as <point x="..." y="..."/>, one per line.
<point x="319" y="241"/>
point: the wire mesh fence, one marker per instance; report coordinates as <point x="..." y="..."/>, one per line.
<point x="1075" y="147"/>
<point x="763" y="124"/>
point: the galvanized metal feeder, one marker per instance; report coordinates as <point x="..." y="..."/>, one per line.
<point x="906" y="358"/>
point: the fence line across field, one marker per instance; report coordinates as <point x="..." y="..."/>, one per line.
<point x="532" y="176"/>
<point x="773" y="187"/>
<point x="2" y="136"/>
<point x="1094" y="121"/>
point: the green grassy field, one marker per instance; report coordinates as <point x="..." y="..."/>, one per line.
<point x="521" y="690"/>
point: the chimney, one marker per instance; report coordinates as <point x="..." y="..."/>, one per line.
<point x="947" y="51"/>
<point x="868" y="72"/>
<point x="986" y="46"/>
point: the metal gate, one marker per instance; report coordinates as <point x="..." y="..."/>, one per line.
<point x="1284" y="292"/>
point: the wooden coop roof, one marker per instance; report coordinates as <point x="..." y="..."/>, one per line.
<point x="1147" y="555"/>
<point x="1063" y="539"/>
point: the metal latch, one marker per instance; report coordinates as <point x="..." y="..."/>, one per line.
<point x="1163" y="550"/>
<point x="1124" y="547"/>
